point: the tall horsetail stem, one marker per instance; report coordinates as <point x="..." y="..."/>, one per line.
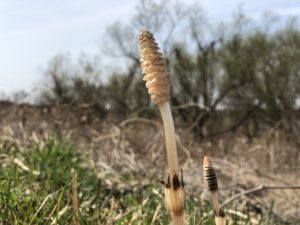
<point x="158" y="85"/>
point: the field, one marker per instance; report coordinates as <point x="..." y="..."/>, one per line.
<point x="119" y="166"/>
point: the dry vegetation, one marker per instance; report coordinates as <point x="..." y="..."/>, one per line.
<point x="124" y="147"/>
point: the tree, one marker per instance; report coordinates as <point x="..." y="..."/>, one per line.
<point x="237" y="70"/>
<point x="74" y="83"/>
<point x="267" y="67"/>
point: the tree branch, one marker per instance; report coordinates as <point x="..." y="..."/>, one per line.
<point x="225" y="93"/>
<point x="257" y="189"/>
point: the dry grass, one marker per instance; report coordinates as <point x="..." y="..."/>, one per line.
<point x="124" y="146"/>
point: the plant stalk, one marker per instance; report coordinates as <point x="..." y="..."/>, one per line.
<point x="212" y="184"/>
<point x="219" y="216"/>
<point x="170" y="139"/>
<point x="158" y="85"/>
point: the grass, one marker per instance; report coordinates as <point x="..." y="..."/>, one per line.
<point x="41" y="194"/>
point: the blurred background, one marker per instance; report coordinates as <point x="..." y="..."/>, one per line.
<point x="72" y="68"/>
<point x="240" y="57"/>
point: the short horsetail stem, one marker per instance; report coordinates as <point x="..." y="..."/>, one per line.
<point x="158" y="85"/>
<point x="211" y="181"/>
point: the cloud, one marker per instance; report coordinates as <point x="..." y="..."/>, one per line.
<point x="289" y="11"/>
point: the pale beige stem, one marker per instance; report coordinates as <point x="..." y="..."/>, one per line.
<point x="178" y="220"/>
<point x="219" y="218"/>
<point x="174" y="196"/>
<point x="215" y="201"/>
<point x="174" y="192"/>
<point x="157" y="83"/>
<point x="169" y="137"/>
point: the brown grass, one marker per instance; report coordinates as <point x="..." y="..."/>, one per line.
<point x="245" y="164"/>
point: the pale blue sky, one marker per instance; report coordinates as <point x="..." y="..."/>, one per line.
<point x="33" y="31"/>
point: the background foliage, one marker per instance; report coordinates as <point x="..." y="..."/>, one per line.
<point x="245" y="72"/>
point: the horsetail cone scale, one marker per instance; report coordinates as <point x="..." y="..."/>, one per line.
<point x="154" y="69"/>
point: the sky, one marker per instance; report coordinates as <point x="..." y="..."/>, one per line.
<point x="34" y="31"/>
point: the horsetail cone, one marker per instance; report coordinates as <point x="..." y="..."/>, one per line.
<point x="210" y="176"/>
<point x="158" y="85"/>
<point x="154" y="69"/>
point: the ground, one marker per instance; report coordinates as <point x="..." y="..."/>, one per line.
<point x="120" y="164"/>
